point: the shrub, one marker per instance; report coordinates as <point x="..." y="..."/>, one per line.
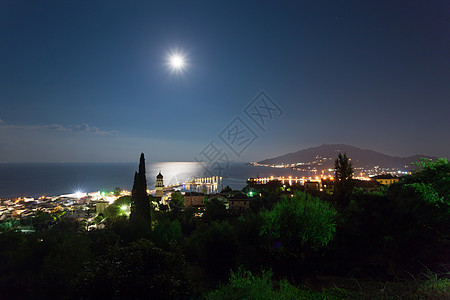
<point x="298" y="224"/>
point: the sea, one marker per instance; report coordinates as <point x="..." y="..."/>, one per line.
<point x="53" y="179"/>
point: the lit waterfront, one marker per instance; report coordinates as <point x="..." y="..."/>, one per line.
<point x="316" y="172"/>
<point x="51" y="179"/>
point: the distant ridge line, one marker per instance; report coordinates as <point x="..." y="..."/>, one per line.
<point x="360" y="157"/>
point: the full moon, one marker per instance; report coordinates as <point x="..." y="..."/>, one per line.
<point x="177" y="62"/>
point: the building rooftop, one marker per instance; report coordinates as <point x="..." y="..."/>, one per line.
<point x="193" y="194"/>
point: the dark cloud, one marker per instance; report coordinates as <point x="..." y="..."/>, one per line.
<point x="58" y="127"/>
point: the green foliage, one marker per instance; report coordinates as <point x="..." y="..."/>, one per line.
<point x="20" y="262"/>
<point x="214" y="247"/>
<point x="434" y="174"/>
<point x="226" y="190"/>
<point x="130" y="231"/>
<point x="434" y="288"/>
<point x="42" y="220"/>
<point x="41" y="216"/>
<point x="297" y="224"/>
<point x="167" y="231"/>
<point x="9" y="224"/>
<point x="244" y="285"/>
<point x="343" y="179"/>
<point x="117" y="191"/>
<point x="99" y="218"/>
<point x="140" y="201"/>
<point x="383" y="234"/>
<point x="112" y="212"/>
<point x="423" y="202"/>
<point x="426" y="192"/>
<point x="251" y="253"/>
<point x="405" y="224"/>
<point x="163" y="208"/>
<point x="138" y="270"/>
<point x="343" y="168"/>
<point x="215" y="210"/>
<point x="177" y="198"/>
<point x="57" y="215"/>
<point x="256" y="204"/>
<point x="102" y="241"/>
<point x="264" y="195"/>
<point x="124" y="200"/>
<point x="120" y="208"/>
<point x="65" y="259"/>
<point x="12" y="243"/>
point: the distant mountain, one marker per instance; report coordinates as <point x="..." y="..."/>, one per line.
<point x="326" y="154"/>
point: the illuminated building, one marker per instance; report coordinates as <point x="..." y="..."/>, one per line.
<point x="328" y="186"/>
<point x="159" y="186"/>
<point x="311" y="185"/>
<point x="386" y="179"/>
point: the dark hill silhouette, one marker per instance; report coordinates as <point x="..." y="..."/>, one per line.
<point x="359" y="157"/>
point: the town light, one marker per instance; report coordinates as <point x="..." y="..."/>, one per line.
<point x="79" y="194"/>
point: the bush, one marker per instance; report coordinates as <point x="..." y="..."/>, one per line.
<point x="244" y="285"/>
<point x="138" y="270"/>
<point x="298" y="224"/>
<point x="167" y="231"/>
<point x="214" y="247"/>
<point x="400" y="229"/>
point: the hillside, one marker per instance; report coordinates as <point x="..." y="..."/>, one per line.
<point x="359" y="157"/>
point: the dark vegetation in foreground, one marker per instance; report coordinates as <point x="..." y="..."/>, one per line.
<point x="351" y="245"/>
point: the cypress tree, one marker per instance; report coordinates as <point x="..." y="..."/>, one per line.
<point x="140" y="202"/>
<point x="344" y="179"/>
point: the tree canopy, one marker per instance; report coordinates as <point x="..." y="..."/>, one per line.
<point x="298" y="224"/>
<point x="140" y="202"/>
<point x="343" y="179"/>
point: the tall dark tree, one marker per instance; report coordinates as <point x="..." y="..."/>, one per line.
<point x="140" y="202"/>
<point x="344" y="179"/>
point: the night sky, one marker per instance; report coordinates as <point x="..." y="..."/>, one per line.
<point x="89" y="80"/>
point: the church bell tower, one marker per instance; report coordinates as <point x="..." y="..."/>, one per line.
<point x="159" y="186"/>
